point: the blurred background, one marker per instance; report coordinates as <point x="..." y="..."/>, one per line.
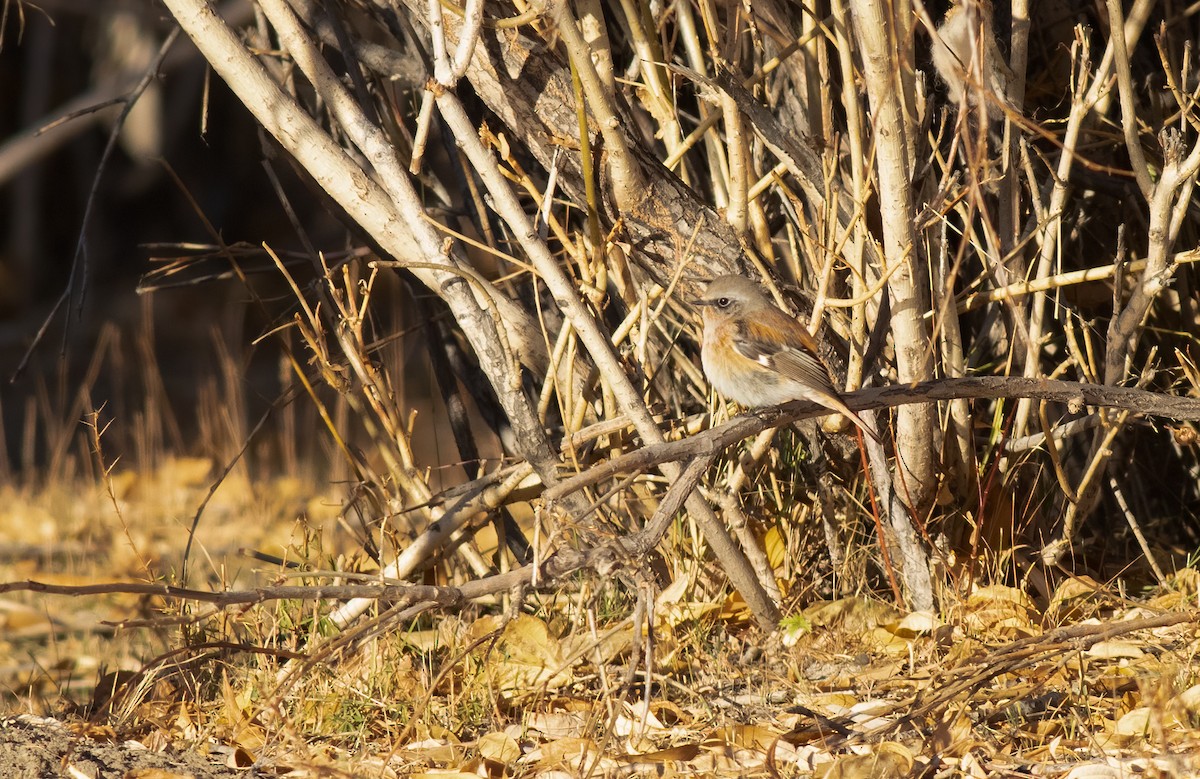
<point x="111" y="293"/>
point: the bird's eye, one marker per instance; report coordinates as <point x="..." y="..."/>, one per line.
<point x="724" y="302"/>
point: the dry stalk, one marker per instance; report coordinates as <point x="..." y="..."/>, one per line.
<point x="727" y="499"/>
<point x="977" y="300"/>
<point x="627" y="181"/>
<point x="878" y="28"/>
<point x="854" y="254"/>
<point x="628" y="397"/>
<point x="888" y="75"/>
<point x="1168" y="201"/>
<point x="1129" y="114"/>
<point x="649" y="59"/>
<point x="1083" y="99"/>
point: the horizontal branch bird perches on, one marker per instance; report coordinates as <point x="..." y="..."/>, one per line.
<point x="741" y="427"/>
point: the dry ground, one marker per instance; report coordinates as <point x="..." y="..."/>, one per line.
<point x="1091" y="684"/>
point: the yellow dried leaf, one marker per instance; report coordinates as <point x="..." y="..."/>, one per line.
<point x="499" y="748"/>
<point x="251" y="737"/>
<point x="422" y="640"/>
<point x="524" y="659"/>
<point x="1134" y="723"/>
<point x="744" y="737"/>
<point x="1114" y="679"/>
<point x="854" y="676"/>
<point x="997" y="592"/>
<point x="918" y="623"/>
<point x="122" y="483"/>
<point x="569" y="751"/>
<point x="651" y="761"/>
<point x="734" y="610"/>
<point x="890" y="761"/>
<point x="867" y="714"/>
<point x="1114" y="649"/>
<point x="969" y="766"/>
<point x="775" y="546"/>
<point x="953" y="734"/>
<point x="1189" y="700"/>
<point x="15" y="617"/>
<point x="634" y="718"/>
<point x="1171" y="601"/>
<point x="897" y="752"/>
<point x="887" y="641"/>
<point x="1000" y="611"/>
<point x="673" y="592"/>
<point x="1186" y="581"/>
<point x="554" y="725"/>
<point x="833" y="703"/>
<point x="852" y="614"/>
<point x="432" y="750"/>
<point x="1075" y="599"/>
<point x="1096" y="771"/>
<point x="611" y="644"/>
<point x="486" y="540"/>
<point x="674" y="614"/>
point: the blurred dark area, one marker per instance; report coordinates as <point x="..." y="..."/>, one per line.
<point x="187" y="156"/>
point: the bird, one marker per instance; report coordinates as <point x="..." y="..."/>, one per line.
<point x="757" y="355"/>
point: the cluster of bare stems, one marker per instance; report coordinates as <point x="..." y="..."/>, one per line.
<point x="560" y="177"/>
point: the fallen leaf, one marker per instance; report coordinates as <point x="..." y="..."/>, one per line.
<point x="889" y="761"/>
<point x="1134" y="723"/>
<point x="524" y="660"/>
<point x="918" y="623"/>
<point x="1114" y="649"/>
<point x="499" y="748"/>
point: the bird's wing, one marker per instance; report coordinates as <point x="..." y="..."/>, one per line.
<point x="792" y="354"/>
<point x="789" y="356"/>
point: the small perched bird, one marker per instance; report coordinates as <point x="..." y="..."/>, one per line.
<point x="757" y="355"/>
